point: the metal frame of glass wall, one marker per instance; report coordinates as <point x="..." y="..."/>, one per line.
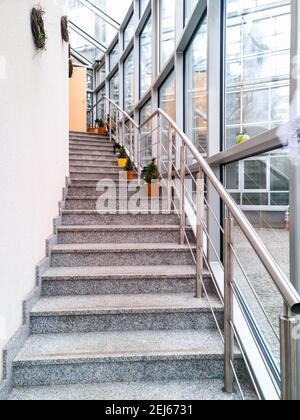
<point x="189" y="17"/>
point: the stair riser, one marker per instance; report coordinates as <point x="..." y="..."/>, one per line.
<point x="93" y="164"/>
<point x="95" y="177"/>
<point x="70" y="324"/>
<point x="125" y="258"/>
<point x="144" y="285"/>
<point x="94" y="158"/>
<point x="85" y="160"/>
<point x="110" y="237"/>
<point x="83" y="142"/>
<point x="120" y="219"/>
<point x="92" y="192"/>
<point x="90" y="154"/>
<point x="90" y="167"/>
<point x="37" y="374"/>
<point x="86" y="204"/>
<point x="92" y="149"/>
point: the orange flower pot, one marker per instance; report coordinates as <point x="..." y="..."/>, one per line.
<point x="92" y="130"/>
<point x="153" y="190"/>
<point x="101" y="131"/>
<point x="130" y="175"/>
<point x="122" y="163"/>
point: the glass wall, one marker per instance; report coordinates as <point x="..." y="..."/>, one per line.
<point x="129" y="82"/>
<point x="167" y="104"/>
<point x="257" y="67"/>
<point x="101" y="105"/>
<point x="167" y="30"/>
<point x="145" y="58"/>
<point x="128" y="32"/>
<point x="100" y="75"/>
<point x="143" y="4"/>
<point x="196" y="97"/>
<point x="114" y="57"/>
<point x="146" y="136"/>
<point x="114" y="91"/>
<point x="188" y="8"/>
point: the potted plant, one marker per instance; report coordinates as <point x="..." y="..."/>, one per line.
<point x="122" y="158"/>
<point x="117" y="148"/>
<point x="101" y="126"/>
<point x="242" y="138"/>
<point x="152" y="177"/>
<point x="129" y="168"/>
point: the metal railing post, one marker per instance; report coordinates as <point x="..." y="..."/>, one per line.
<point x="110" y="126"/>
<point x="131" y="141"/>
<point x="199" y="233"/>
<point x="182" y="194"/>
<point x="159" y="142"/>
<point x="288" y="356"/>
<point x="228" y="304"/>
<point x="139" y="157"/>
<point x="170" y="166"/>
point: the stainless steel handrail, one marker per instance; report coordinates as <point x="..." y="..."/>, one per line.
<point x="289" y="294"/>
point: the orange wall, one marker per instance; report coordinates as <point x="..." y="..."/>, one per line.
<point x="77" y="97"/>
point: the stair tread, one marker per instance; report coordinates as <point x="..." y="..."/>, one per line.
<point x="123" y="272"/>
<point x="210" y="389"/>
<point x="96" y="304"/>
<point x="126" y="345"/>
<point x="131" y="213"/>
<point x="118" y="247"/>
<point x="117" y="228"/>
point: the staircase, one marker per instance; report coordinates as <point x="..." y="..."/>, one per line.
<point x="117" y="318"/>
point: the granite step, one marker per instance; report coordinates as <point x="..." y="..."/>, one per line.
<point x="101" y="255"/>
<point x="87" y="217"/>
<point x="121" y="203"/>
<point x="120" y="234"/>
<point x="196" y="390"/>
<point x="100" y="157"/>
<point x="98" y="313"/>
<point x="74" y="165"/>
<point x="98" y="173"/>
<point x="83" y="160"/>
<point x="89" y="136"/>
<point x="96" y="143"/>
<point x="83" y="281"/>
<point x="99" y="149"/>
<point x="131" y="356"/>
<point x="93" y="153"/>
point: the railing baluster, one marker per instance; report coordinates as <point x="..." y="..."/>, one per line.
<point x="110" y="125"/>
<point x="182" y="194"/>
<point x="288" y="358"/>
<point x="199" y="233"/>
<point x="228" y="304"/>
<point x="131" y="141"/>
<point x="159" y="142"/>
<point x="170" y="166"/>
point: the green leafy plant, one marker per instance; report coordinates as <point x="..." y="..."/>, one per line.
<point x="122" y="153"/>
<point x="38" y="28"/>
<point x="151" y="172"/>
<point x="101" y="123"/>
<point x="117" y="147"/>
<point x="129" y="166"/>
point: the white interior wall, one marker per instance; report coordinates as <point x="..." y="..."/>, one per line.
<point x="33" y="149"/>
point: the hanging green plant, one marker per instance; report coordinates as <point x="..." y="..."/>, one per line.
<point x="64" y="29"/>
<point x="38" y="28"/>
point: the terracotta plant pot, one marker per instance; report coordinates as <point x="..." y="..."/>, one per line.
<point x="122" y="163"/>
<point x="153" y="190"/>
<point x="101" y="130"/>
<point x="130" y="175"/>
<point x="92" y="130"/>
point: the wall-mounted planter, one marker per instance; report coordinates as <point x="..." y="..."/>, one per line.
<point x="64" y="29"/>
<point x="38" y="28"/>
